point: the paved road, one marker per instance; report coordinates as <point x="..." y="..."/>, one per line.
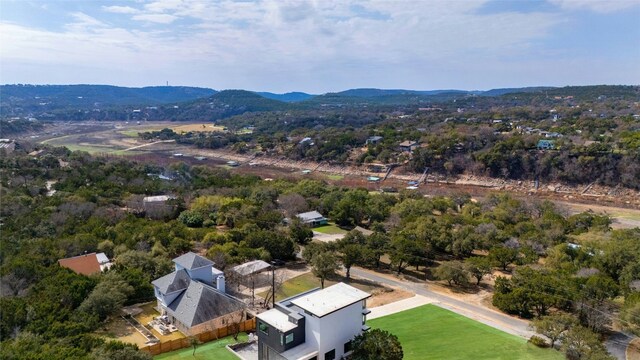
<point x="616" y="344"/>
<point x="486" y="316"/>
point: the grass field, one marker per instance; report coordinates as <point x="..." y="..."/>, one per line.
<point x="430" y="332"/>
<point x="329" y="229"/>
<point x="214" y="350"/>
<point x="335" y="177"/>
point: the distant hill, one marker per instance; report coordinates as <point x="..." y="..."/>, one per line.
<point x="371" y="92"/>
<point x="286" y="97"/>
<point x="499" y="92"/>
<point x="220" y="105"/>
<point x="84" y="96"/>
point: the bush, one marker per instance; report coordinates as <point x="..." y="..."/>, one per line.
<point x="191" y="218"/>
<point x="538" y="341"/>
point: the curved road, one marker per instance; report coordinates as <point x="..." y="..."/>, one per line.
<point x="486" y="316"/>
<point x="616" y="344"/>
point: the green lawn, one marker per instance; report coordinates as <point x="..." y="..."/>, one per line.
<point x="431" y="332"/>
<point x="335" y="177"/>
<point x="329" y="229"/>
<point x="214" y="350"/>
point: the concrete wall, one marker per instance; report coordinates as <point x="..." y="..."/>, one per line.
<point x="334" y="330"/>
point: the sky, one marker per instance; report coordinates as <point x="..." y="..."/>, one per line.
<point x="321" y="46"/>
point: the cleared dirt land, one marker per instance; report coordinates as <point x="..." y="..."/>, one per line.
<point x="120" y="139"/>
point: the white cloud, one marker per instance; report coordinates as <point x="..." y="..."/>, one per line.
<point x="288" y="44"/>
<point x="600" y="6"/>
<point x="120" y="9"/>
<point x="156" y="18"/>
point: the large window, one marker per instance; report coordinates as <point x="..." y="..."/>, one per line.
<point x="263" y="327"/>
<point x="347" y="346"/>
<point x="288" y="339"/>
<point x="330" y="355"/>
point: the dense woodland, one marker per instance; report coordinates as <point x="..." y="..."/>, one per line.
<point x="572" y="272"/>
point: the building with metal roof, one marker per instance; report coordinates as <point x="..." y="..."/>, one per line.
<point x="312" y="218"/>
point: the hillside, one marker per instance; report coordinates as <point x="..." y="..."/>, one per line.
<point x="89" y="95"/>
<point x="220" y="105"/>
<point x="295" y="96"/>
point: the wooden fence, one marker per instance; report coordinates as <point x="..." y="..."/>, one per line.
<point x="177" y="344"/>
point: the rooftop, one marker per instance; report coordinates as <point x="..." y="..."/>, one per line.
<point x="408" y="143"/>
<point x="201" y="303"/>
<point x="158" y="198"/>
<point x="324" y="302"/>
<point x="177" y="280"/>
<point x="251" y="267"/>
<point x="310" y="215"/>
<point x="277" y="319"/>
<point x="192" y="261"/>
<point x="86" y="264"/>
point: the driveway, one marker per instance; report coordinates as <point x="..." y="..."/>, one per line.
<point x="327" y="237"/>
<point x="617" y="344"/>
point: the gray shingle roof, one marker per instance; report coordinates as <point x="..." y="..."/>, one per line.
<point x="192" y="261"/>
<point x="177" y="280"/>
<point x="201" y="303"/>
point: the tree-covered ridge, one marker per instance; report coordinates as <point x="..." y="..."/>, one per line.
<point x="88" y="95"/>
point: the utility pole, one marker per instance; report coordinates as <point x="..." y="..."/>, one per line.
<point x="273" y="284"/>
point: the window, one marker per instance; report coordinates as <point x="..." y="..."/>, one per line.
<point x="263" y="327"/>
<point x="288" y="339"/>
<point x="347" y="346"/>
<point x="330" y="355"/>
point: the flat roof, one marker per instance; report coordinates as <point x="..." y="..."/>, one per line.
<point x="277" y="319"/>
<point x="328" y="300"/>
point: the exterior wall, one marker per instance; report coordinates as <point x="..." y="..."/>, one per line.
<point x="203" y="274"/>
<point x="275" y="339"/>
<point x="334" y="330"/>
<point x="166" y="299"/>
<point x="216" y="323"/>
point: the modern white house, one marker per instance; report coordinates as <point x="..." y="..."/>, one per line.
<point x="193" y="296"/>
<point x="314" y="325"/>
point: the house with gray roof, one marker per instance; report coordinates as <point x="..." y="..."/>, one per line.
<point x="312" y="218"/>
<point x="193" y="296"/>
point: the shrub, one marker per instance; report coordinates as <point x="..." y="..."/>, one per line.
<point x="538" y="341"/>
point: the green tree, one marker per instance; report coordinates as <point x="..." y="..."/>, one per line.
<point x="502" y="256"/>
<point x="351" y="254"/>
<point x="377" y="245"/>
<point x="453" y="272"/>
<point x="376" y="344"/>
<point x="554" y="326"/>
<point x="324" y="265"/>
<point x="581" y="343"/>
<point x="478" y="267"/>
<point x="191" y="218"/>
<point x="300" y="232"/>
<point x="107" y="297"/>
